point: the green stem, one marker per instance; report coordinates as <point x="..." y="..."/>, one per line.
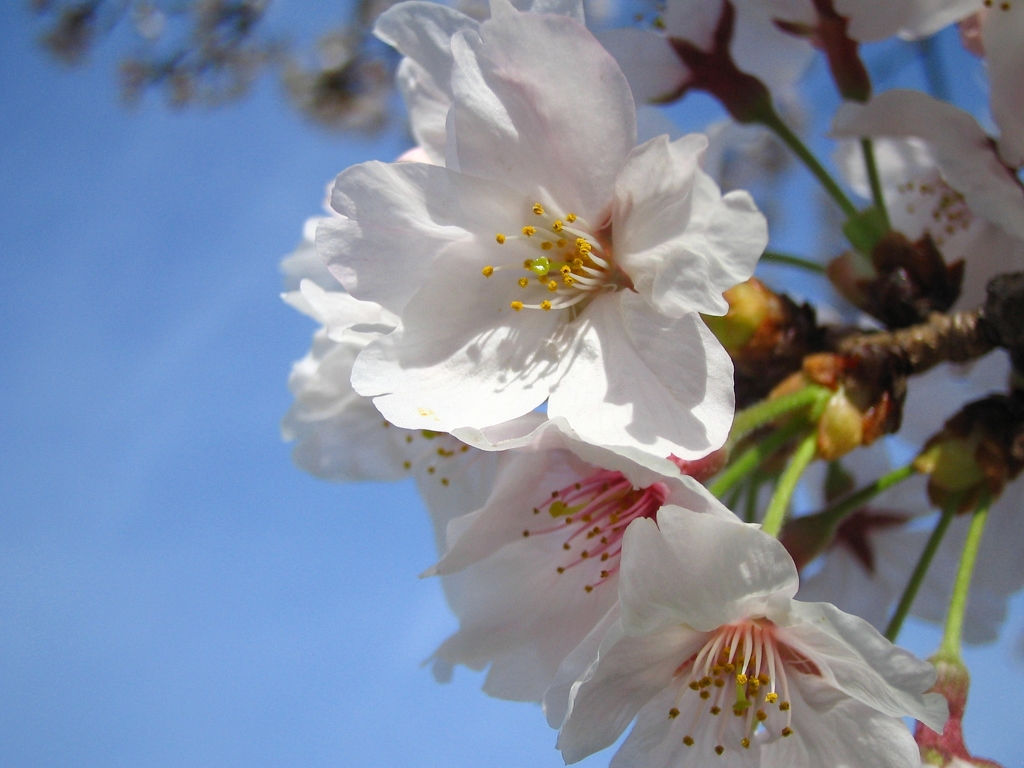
<point x="761" y="413"/>
<point x="778" y="506"/>
<point x="775" y="123"/>
<point x="774" y="257"/>
<point x="868" y="150"/>
<point x="834" y="514"/>
<point x="920" y="571"/>
<point x="753" y="457"/>
<point x="953" y="632"/>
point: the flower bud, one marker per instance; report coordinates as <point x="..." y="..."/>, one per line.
<point x="948" y="748"/>
<point x="977" y="452"/>
<point x="766" y="334"/>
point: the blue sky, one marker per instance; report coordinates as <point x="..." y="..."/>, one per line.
<point x="173" y="592"/>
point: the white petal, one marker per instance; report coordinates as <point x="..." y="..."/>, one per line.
<point x="540" y="105"/>
<point x="831" y="729"/>
<point x="629" y="674"/>
<point x="650" y="64"/>
<point x="1002" y="32"/>
<point x="639" y="379"/>
<point x="680" y="241"/>
<point x="397" y="218"/>
<point x="462" y="357"/>
<point x="656" y="740"/>
<point x="428" y="106"/>
<point x="521" y="617"/>
<point x="927" y="17"/>
<point x="962" y="149"/>
<point x="303" y="263"/>
<point x="573" y="9"/>
<point x="578" y="667"/>
<point x="699" y="569"/>
<point x="339" y="312"/>
<point x="853" y="657"/>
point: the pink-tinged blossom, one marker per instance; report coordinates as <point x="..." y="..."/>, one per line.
<point x="551" y="259"/>
<point x="714" y="659"/>
<point x="533" y="571"/>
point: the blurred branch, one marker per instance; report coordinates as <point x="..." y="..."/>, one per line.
<point x="212" y="52"/>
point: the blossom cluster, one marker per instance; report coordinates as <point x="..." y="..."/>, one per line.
<point x="551" y="322"/>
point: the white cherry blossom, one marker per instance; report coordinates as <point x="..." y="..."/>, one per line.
<point x="534" y="570"/>
<point x="338" y="434"/>
<point x="714" y="658"/>
<point x="551" y="259"/>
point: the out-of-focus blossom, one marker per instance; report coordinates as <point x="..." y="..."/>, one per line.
<point x="713" y="657"/>
<point x="942" y="177"/>
<point x="536" y="568"/>
<point x="559" y="262"/>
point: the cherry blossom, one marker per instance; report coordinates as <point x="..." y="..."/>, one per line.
<point x="338" y="434"/>
<point x="533" y="571"/>
<point x="551" y="259"/>
<point x="713" y="657"/>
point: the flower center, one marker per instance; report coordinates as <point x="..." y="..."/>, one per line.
<point x="945" y="206"/>
<point x="592" y="515"/>
<point x="570" y="267"/>
<point x="438" y="454"/>
<point x="740" y="670"/>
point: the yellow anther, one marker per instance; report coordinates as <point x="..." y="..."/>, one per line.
<point x="771" y="698"/>
<point x="545" y="305"/>
<point x="516" y="305"/>
<point x="784" y="706"/>
<point x="523" y="282"/>
<point x="754" y="683"/>
<point x="705" y="694"/>
<point x="538" y="209"/>
<point x="568" y="280"/>
<point x="487" y="271"/>
<point x="716" y="670"/>
<point x="761" y="715"/>
<point x="688" y="741"/>
<point x="500" y="238"/>
<point x="561" y="243"/>
<point x="547" y="245"/>
<point x="694" y="685"/>
<point x="787" y="731"/>
<point x="557" y="226"/>
<point x="529" y="231"/>
<point x="745" y="742"/>
<point x="705" y="682"/>
<point x="588" y="588"/>
<point x="577" y="263"/>
<point x="552" y="286"/>
<point x="673" y="713"/>
<point x="730" y="668"/>
<point x="764" y="679"/>
<point x="719" y="682"/>
<point x="570" y="217"/>
<point x="741" y="679"/>
<point x="719" y="749"/>
<point x="716" y="710"/>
